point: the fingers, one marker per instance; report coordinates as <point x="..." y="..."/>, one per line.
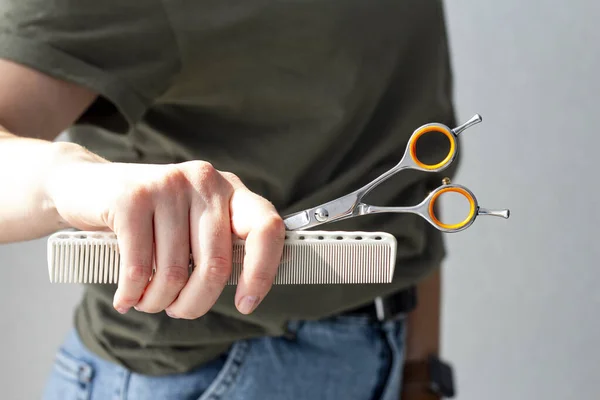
<point x="254" y="219"/>
<point x="133" y="227"/>
<point x="193" y="207"/>
<point x="212" y="253"/>
<point x="172" y="249"/>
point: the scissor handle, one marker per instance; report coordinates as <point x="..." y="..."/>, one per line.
<point x="451" y="134"/>
<point x="451" y="188"/>
<point x="426" y="209"/>
<point x="418" y="134"/>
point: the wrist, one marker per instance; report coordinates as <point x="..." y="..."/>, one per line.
<point x="63" y="178"/>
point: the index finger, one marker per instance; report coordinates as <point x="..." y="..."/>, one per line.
<point x="256" y="220"/>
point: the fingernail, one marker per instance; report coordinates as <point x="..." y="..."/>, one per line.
<point x="171" y="315"/>
<point x="123" y="310"/>
<point x="248" y="304"/>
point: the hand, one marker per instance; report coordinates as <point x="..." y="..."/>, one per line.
<point x="166" y="211"/>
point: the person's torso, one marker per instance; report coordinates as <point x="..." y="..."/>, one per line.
<point x="304" y="101"/>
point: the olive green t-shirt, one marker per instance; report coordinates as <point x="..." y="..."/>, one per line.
<point x="304" y="100"/>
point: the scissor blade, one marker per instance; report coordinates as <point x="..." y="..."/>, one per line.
<point x="297" y="221"/>
<point x="332" y="211"/>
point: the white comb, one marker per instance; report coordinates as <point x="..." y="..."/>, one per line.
<point x="309" y="257"/>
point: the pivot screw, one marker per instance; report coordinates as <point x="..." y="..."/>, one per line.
<point x="321" y="214"/>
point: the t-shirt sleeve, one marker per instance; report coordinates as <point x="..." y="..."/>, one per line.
<point x="124" y="50"/>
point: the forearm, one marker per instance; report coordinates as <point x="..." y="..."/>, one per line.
<point x="26" y="209"/>
<point x="36" y="108"/>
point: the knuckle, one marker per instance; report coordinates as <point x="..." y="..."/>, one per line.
<point x="176" y="275"/>
<point x="262" y="280"/>
<point x="231" y="177"/>
<point x="206" y="172"/>
<point x="274" y="227"/>
<point x="138" y="273"/>
<point x="207" y="181"/>
<point x="174" y="180"/>
<point x="218" y="271"/>
<point x="139" y="195"/>
<point x="135" y="197"/>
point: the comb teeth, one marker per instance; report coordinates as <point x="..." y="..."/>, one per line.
<point x="315" y="257"/>
<point x="309" y="257"/>
<point x="83" y="257"/>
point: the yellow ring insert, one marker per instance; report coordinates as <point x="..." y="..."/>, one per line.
<point x="432" y="128"/>
<point x="461" y="224"/>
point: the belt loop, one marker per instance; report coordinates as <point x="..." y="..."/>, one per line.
<point x="379" y="309"/>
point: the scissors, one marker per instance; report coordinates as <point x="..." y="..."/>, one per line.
<point x="351" y="205"/>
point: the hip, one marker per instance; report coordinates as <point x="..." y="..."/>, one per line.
<point x="349" y="357"/>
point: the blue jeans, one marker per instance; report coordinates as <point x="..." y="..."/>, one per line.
<point x="347" y="357"/>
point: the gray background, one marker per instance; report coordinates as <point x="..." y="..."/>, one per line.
<point x="520" y="299"/>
